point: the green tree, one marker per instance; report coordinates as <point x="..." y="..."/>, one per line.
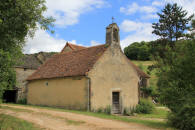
<point x="7" y="74"/>
<point x="173" y="23"/>
<point x="18" y="20"/>
<point x="137" y="51"/>
<point x="176" y="84"/>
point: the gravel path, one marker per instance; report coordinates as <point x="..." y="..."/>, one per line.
<point x="57" y="120"/>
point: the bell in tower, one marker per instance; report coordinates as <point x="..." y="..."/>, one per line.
<point x="112" y="34"/>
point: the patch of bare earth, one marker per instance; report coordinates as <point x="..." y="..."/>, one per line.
<point x="57" y="120"/>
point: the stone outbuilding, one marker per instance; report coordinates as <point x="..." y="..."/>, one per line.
<point x="88" y="78"/>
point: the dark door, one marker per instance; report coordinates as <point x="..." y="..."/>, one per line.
<point x="9" y="96"/>
<point x="115" y="102"/>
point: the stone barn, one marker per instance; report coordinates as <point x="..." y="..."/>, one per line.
<point x="88" y="78"/>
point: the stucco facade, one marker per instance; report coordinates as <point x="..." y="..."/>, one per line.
<point x="70" y="92"/>
<point x="113" y="73"/>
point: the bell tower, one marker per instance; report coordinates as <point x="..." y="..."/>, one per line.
<point x="112" y="35"/>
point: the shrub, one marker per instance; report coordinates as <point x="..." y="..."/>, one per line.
<point x="22" y="101"/>
<point x="144" y="106"/>
<point x="184" y="119"/>
<point x="128" y="111"/>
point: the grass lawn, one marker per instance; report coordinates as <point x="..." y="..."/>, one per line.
<point x="158" y="113"/>
<point x="150" y="123"/>
<point x="8" y="122"/>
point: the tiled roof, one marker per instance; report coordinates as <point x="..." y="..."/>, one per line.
<point x="74" y="63"/>
<point x="73" y="47"/>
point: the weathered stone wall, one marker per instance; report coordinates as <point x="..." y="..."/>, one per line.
<point x="21" y="76"/>
<point x="71" y="93"/>
<point x="113" y="73"/>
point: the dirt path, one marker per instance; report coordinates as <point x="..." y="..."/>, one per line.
<point x="57" y="120"/>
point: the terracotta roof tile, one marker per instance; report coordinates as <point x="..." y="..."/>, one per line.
<point x="74" y="63"/>
<point x="73" y="47"/>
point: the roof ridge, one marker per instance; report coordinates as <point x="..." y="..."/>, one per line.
<point x="81" y="49"/>
<point x="75" y="44"/>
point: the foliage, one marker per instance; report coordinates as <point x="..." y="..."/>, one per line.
<point x="137" y="51"/>
<point x="106" y="110"/>
<point x="7" y="74"/>
<point x="146" y="90"/>
<point x="22" y="101"/>
<point x="172" y="23"/>
<point x="18" y="19"/>
<point x="144" y="106"/>
<point x="184" y="118"/>
<point x="176" y="79"/>
<point x="128" y="111"/>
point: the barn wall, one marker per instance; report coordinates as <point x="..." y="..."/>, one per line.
<point x="113" y="73"/>
<point x="21" y="76"/>
<point x="69" y="93"/>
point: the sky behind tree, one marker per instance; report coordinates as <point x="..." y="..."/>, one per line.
<point x="83" y="22"/>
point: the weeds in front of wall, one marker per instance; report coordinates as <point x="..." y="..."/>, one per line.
<point x="106" y="110"/>
<point x="129" y="111"/>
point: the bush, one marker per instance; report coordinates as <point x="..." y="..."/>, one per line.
<point x="144" y="106"/>
<point x="128" y="111"/>
<point x="22" y="101"/>
<point x="184" y="119"/>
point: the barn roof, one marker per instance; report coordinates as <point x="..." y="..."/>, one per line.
<point x="74" y="63"/>
<point x="73" y="47"/>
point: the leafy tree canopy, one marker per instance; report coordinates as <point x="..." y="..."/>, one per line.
<point x="173" y="23"/>
<point x="19" y="18"/>
<point x="176" y="83"/>
<point x="138" y="51"/>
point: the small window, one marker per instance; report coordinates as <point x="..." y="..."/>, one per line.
<point x="46" y="83"/>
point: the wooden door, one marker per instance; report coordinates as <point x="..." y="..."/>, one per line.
<point x="115" y="102"/>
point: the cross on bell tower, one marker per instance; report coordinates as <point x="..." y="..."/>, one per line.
<point x="112" y="19"/>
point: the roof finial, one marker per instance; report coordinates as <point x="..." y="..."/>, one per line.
<point x="112" y="19"/>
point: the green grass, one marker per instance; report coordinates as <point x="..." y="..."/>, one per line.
<point x="15" y="109"/>
<point x="158" y="113"/>
<point x="144" y="65"/>
<point x="8" y="122"/>
<point x="149" y="123"/>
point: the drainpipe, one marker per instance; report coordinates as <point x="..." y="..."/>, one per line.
<point x="89" y="94"/>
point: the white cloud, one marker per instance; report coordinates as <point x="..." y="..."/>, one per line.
<point x="42" y="41"/>
<point x="67" y="12"/>
<point x="139" y="31"/>
<point x="134" y="7"/>
<point x="188" y="5"/>
<point x="157" y="3"/>
<point x="95" y="43"/>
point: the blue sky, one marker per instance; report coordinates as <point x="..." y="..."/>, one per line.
<point x="83" y="22"/>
